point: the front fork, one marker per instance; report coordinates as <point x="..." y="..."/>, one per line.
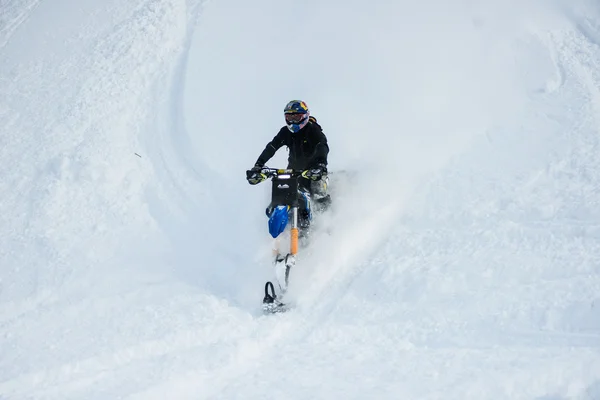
<point x="294" y="232"/>
<point x="284" y="264"/>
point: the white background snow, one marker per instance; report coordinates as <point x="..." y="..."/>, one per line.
<point x="462" y="261"/>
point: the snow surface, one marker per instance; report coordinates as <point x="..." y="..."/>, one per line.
<point x="461" y="259"/>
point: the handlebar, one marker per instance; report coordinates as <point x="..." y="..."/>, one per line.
<point x="274" y="172"/>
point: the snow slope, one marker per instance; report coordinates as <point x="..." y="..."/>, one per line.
<point x="462" y="260"/>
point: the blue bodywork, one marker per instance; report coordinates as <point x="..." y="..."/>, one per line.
<point x="278" y="220"/>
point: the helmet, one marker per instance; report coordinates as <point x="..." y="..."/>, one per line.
<point x="296" y="115"/>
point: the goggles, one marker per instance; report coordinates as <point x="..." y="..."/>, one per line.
<point x="294" y="118"/>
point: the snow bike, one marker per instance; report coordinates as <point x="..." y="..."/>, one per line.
<point x="290" y="206"/>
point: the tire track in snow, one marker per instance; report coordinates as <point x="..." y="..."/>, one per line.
<point x="12" y="17"/>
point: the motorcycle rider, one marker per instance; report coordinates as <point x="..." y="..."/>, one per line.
<point x="308" y="150"/>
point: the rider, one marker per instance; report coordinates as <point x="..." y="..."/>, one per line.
<point x="307" y="147"/>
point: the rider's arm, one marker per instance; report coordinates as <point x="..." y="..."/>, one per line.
<point x="278" y="141"/>
<point x="321" y="148"/>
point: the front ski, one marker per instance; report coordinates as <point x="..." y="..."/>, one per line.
<point x="271" y="304"/>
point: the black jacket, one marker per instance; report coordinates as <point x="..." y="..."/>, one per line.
<point x="308" y="147"/>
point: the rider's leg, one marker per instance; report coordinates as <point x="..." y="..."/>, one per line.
<point x="321" y="197"/>
<point x="304" y="212"/>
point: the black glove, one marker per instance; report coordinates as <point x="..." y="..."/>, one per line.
<point x="316" y="172"/>
<point x="254" y="175"/>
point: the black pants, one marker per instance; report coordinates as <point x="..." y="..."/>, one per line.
<point x="317" y="189"/>
<point x="320" y="199"/>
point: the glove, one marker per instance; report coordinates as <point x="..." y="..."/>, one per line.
<point x="254" y="176"/>
<point x="315" y="173"/>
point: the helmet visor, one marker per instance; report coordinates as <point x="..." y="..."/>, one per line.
<point x="294" y="118"/>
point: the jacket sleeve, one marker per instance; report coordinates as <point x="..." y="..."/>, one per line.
<point x="321" y="148"/>
<point x="278" y="141"/>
